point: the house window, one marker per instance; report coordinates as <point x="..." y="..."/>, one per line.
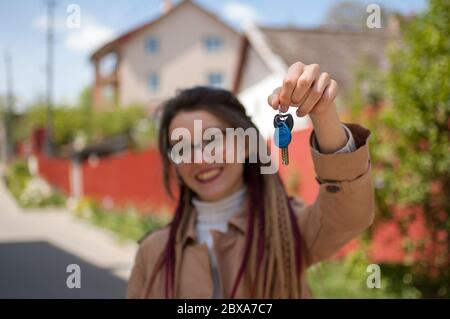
<point x="213" y="44"/>
<point x="152" y="45"/>
<point x="153" y="82"/>
<point x="215" y="79"/>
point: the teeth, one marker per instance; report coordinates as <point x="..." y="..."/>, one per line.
<point x="208" y="174"/>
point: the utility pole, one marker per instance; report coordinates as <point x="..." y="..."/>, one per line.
<point x="49" y="145"/>
<point x="8" y="149"/>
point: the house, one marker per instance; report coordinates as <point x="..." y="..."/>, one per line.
<point x="185" y="46"/>
<point x="188" y="46"/>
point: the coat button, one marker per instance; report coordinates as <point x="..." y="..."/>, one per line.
<point x="333" y="188"/>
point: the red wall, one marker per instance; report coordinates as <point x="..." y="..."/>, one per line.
<point x="300" y="162"/>
<point x="128" y="177"/>
<point x="55" y="170"/>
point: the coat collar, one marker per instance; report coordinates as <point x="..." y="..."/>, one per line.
<point x="239" y="221"/>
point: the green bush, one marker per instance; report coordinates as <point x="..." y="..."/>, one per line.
<point x="17" y="175"/>
<point x="31" y="191"/>
<point x="70" y="122"/>
<point x="410" y="145"/>
<point x="348" y="279"/>
<point x="127" y="223"/>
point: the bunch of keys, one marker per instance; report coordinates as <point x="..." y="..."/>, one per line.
<point x="283" y="124"/>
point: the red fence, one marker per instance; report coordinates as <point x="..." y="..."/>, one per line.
<point x="56" y="171"/>
<point x="125" y="178"/>
<point x="299" y="175"/>
<point x="129" y="177"/>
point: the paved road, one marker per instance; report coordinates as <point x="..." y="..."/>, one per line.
<point x="37" y="246"/>
<point x="37" y="269"/>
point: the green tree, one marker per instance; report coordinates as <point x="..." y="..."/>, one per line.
<point x="411" y="149"/>
<point x="352" y="13"/>
<point x="81" y="122"/>
<point x="419" y="88"/>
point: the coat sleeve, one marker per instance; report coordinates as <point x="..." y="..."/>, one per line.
<point x="344" y="207"/>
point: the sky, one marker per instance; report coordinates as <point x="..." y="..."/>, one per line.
<point x="23" y="22"/>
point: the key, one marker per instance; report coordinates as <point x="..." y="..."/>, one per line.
<point x="283" y="126"/>
<point x="286" y="118"/>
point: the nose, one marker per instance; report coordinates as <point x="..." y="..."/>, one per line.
<point x="207" y="156"/>
<point x="197" y="154"/>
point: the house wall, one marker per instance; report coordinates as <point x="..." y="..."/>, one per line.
<point x="254" y="71"/>
<point x="182" y="60"/>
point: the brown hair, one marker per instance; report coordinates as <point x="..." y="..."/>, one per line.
<point x="273" y="239"/>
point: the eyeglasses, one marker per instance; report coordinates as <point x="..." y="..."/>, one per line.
<point x="184" y="153"/>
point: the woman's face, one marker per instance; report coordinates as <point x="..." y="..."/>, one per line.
<point x="211" y="182"/>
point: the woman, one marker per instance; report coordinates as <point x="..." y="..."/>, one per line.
<point x="235" y="232"/>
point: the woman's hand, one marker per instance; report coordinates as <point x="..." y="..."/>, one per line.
<point x="312" y="92"/>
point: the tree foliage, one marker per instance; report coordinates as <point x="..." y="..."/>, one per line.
<point x="351" y="14"/>
<point x="410" y="144"/>
<point x="82" y="122"/>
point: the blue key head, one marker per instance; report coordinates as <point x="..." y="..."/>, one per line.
<point x="282" y="136"/>
<point x="287" y="118"/>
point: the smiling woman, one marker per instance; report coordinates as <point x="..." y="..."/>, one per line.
<point x="213" y="181"/>
<point x="235" y="232"/>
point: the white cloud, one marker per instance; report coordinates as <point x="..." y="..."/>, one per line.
<point x="240" y="12"/>
<point x="88" y="37"/>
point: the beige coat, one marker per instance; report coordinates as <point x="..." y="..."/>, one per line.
<point x="343" y="209"/>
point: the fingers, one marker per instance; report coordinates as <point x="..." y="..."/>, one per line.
<point x="274" y="98"/>
<point x="314" y="94"/>
<point x="290" y="84"/>
<point x="304" y="83"/>
<point x="328" y="96"/>
<point x="305" y="87"/>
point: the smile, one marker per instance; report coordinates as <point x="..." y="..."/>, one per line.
<point x="209" y="175"/>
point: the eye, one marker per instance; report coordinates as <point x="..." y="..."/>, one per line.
<point x="219" y="136"/>
<point x="174" y="155"/>
<point x="211" y="140"/>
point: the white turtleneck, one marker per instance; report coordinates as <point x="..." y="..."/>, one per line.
<point x="215" y="216"/>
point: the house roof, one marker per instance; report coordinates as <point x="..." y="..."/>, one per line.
<point x="335" y="50"/>
<point x="114" y="44"/>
